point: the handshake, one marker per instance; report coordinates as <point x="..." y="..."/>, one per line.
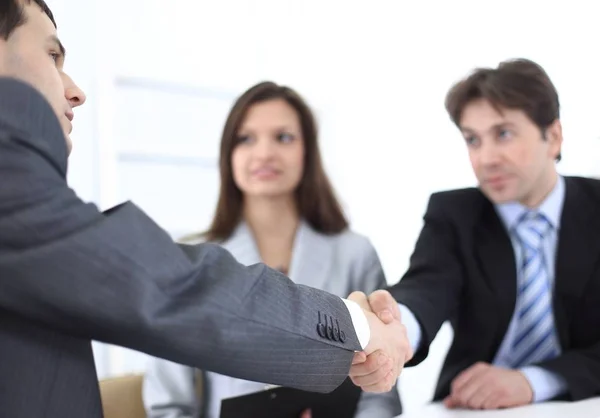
<point x="377" y="368"/>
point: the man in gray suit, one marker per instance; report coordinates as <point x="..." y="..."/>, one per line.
<point x="70" y="274"/>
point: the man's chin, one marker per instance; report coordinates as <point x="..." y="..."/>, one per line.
<point x="499" y="197"/>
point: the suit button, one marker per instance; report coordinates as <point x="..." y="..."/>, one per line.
<point x="336" y="331"/>
<point x="336" y="334"/>
<point x="330" y="334"/>
<point x="322" y="330"/>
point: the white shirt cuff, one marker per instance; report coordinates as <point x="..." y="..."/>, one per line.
<point x="544" y="384"/>
<point x="360" y="322"/>
<point x="413" y="329"/>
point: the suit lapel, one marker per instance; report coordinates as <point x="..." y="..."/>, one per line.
<point x="311" y="258"/>
<point x="242" y="246"/>
<point x="577" y="251"/>
<point x="496" y="258"/>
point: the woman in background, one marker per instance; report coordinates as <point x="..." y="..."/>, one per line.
<point x="276" y="206"/>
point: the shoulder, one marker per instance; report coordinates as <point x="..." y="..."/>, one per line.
<point x="190" y="243"/>
<point x="359" y="261"/>
<point x="588" y="186"/>
<point x="351" y="245"/>
<point x="200" y="238"/>
<point x="192" y="239"/>
<point x="26" y="114"/>
<point x="458" y="197"/>
<point x="460" y="203"/>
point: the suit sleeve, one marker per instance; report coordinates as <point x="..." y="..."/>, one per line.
<point x="579" y="368"/>
<point x="432" y="286"/>
<point x="579" y="364"/>
<point x="117" y="277"/>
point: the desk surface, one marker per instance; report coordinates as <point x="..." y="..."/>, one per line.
<point x="585" y="409"/>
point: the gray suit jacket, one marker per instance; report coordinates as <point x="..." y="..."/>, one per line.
<point x="338" y="263"/>
<point x="70" y="274"/>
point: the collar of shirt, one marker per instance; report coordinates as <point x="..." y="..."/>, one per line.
<point x="551" y="207"/>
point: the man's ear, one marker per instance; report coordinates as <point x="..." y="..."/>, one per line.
<point x="553" y="134"/>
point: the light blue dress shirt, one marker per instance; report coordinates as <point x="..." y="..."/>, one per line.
<point x="544" y="383"/>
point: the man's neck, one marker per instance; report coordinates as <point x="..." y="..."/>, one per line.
<point x="544" y="188"/>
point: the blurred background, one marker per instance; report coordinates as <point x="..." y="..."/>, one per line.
<point x="160" y="77"/>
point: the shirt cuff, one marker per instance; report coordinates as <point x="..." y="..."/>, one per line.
<point x="413" y="328"/>
<point x="544" y="384"/>
<point x="360" y="322"/>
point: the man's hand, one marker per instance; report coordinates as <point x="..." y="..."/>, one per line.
<point x="306" y="414"/>
<point x="377" y="369"/>
<point x="483" y="386"/>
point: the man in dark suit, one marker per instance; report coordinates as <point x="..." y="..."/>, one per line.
<point x="70" y="274"/>
<point x="513" y="264"/>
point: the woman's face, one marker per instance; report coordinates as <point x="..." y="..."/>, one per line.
<point x="268" y="160"/>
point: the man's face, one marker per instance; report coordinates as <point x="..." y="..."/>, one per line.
<point x="34" y="54"/>
<point x="512" y="159"/>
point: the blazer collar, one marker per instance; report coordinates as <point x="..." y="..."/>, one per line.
<point x="311" y="258"/>
<point x="578" y="243"/>
<point x="496" y="260"/>
<point x="311" y="254"/>
<point x="24" y="110"/>
<point x="242" y="246"/>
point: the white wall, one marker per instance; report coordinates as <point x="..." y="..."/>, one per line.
<point x="160" y="77"/>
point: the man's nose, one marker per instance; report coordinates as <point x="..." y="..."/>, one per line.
<point x="75" y="96"/>
<point x="73" y="93"/>
<point x="488" y="154"/>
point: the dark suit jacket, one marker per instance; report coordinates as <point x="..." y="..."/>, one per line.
<point x="70" y="274"/>
<point x="463" y="270"/>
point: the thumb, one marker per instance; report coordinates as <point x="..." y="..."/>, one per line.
<point x="359" y="358"/>
<point x="384" y="306"/>
<point x="361" y="299"/>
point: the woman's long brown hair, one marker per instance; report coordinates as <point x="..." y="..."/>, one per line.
<point x="315" y="197"/>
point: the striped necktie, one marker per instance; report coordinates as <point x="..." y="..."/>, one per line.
<point x="535" y="339"/>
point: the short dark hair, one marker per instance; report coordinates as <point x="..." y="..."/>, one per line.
<point x="11" y="15"/>
<point x="516" y="84"/>
<point x="315" y="197"/>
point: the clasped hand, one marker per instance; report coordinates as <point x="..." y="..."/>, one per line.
<point x="376" y="369"/>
